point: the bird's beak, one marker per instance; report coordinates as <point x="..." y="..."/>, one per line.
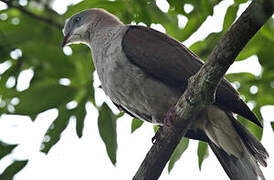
<point x="65" y="40"/>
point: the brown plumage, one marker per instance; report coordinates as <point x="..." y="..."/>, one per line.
<point x="171" y="62"/>
<point x="144" y="72"/>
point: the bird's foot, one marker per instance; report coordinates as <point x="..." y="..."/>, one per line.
<point x="157" y="135"/>
<point x="168" y="121"/>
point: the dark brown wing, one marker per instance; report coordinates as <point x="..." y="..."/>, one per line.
<point x="169" y="61"/>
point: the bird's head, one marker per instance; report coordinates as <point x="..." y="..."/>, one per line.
<point x="78" y="28"/>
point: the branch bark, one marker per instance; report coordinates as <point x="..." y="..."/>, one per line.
<point x="202" y="87"/>
<point x="35" y="16"/>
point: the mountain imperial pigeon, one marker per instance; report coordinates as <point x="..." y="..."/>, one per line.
<point x="144" y="72"/>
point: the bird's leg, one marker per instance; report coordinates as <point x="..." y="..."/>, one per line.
<point x="157" y="135"/>
<point x="167" y="122"/>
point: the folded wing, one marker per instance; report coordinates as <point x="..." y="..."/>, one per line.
<point x="169" y="61"/>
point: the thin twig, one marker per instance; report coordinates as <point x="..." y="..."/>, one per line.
<point x="35" y="16"/>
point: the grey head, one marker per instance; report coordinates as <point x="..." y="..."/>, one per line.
<point x="78" y="28"/>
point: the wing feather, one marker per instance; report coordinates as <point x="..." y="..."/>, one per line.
<point x="171" y="62"/>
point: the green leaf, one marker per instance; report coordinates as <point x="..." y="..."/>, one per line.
<point x="120" y="114"/>
<point x="155" y="128"/>
<point x="180" y="149"/>
<point x="111" y="6"/>
<point x="202" y="152"/>
<point x="5" y="149"/>
<point x="272" y="125"/>
<point x="179" y="6"/>
<point x="204" y="48"/>
<point x="202" y="9"/>
<point x="107" y="130"/>
<point x="135" y="124"/>
<point x="240" y="1"/>
<point x="253" y="128"/>
<point x="42" y="96"/>
<point x="171" y="3"/>
<point x="54" y="131"/>
<point x="267" y="30"/>
<point x="230" y="16"/>
<point x="11" y="170"/>
<point x="80" y="113"/>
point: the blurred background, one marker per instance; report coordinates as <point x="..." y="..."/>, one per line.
<point x="56" y="122"/>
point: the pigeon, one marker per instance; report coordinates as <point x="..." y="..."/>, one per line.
<point x="144" y="72"/>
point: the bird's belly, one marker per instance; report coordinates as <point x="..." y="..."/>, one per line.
<point x="136" y="91"/>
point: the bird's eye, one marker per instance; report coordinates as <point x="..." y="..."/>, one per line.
<point x="77" y="19"/>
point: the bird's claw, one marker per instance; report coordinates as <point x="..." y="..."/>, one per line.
<point x="157" y="136"/>
<point x="168" y="120"/>
<point x="154" y="139"/>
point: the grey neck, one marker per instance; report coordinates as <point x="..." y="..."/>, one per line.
<point x="105" y="35"/>
<point x="102" y="37"/>
<point x="104" y="29"/>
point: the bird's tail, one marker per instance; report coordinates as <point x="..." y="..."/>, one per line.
<point x="238" y="151"/>
<point x="244" y="168"/>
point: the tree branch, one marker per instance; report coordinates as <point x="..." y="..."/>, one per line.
<point x="35" y="16"/>
<point x="202" y="86"/>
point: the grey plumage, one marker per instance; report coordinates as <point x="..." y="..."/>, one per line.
<point x="144" y="72"/>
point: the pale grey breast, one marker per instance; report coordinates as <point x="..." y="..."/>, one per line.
<point x="127" y="85"/>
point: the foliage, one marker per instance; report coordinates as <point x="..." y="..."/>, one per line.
<point x="136" y="123"/>
<point x="11" y="170"/>
<point x="180" y="149"/>
<point x="107" y="130"/>
<point x="5" y="149"/>
<point x="39" y="42"/>
<point x="202" y="152"/>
